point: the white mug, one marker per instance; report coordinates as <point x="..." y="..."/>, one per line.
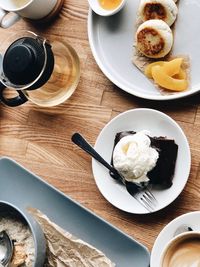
<point x="12" y="10"/>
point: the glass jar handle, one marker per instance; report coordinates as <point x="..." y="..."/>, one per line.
<point x="14" y="101"/>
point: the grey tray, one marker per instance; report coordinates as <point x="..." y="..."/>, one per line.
<point x="23" y="189"/>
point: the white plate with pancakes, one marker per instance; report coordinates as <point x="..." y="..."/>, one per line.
<point x="175" y="227"/>
<point x="112" y="38"/>
<point x="158" y="124"/>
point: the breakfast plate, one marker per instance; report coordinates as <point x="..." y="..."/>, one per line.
<point x="24" y="189"/>
<point x="158" y="124"/>
<point x="191" y="220"/>
<point x="111" y="40"/>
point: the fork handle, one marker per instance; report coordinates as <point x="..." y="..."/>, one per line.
<point x="82" y="143"/>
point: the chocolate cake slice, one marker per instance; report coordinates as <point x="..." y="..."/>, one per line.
<point x="163" y="173"/>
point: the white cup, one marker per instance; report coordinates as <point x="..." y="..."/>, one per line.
<point x="12" y="10"/>
<point x="182" y="250"/>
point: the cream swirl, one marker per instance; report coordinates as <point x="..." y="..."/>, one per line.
<point x="185" y="254"/>
<point x="133" y="157"/>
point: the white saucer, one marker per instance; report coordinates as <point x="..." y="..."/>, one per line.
<point x="191" y="219"/>
<point x="158" y="124"/>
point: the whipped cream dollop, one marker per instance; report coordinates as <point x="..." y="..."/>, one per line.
<point x="133" y="157"/>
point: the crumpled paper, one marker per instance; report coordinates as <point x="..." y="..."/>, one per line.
<point x="65" y="250"/>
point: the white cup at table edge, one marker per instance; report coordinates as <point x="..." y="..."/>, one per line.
<point x="34" y="9"/>
<point x="182" y="236"/>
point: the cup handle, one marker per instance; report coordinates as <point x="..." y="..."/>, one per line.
<point x="2" y="13"/>
<point x="12" y="102"/>
<point x="7" y="19"/>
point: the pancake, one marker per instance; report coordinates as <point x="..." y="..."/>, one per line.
<point x="154" y="38"/>
<point x="165" y="10"/>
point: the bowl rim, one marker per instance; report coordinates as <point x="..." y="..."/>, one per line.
<point x="30" y="221"/>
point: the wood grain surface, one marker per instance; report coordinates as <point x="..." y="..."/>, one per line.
<point x="40" y="138"/>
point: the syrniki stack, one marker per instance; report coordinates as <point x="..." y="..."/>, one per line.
<point x="154" y="40"/>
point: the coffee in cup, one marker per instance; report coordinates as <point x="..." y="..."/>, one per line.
<point x="182" y="250"/>
<point x="19" y="3"/>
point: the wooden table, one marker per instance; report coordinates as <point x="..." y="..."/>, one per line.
<point x="39" y="138"/>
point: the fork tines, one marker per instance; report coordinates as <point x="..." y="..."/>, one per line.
<point x="146" y="199"/>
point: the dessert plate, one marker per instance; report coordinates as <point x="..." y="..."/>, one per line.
<point x="191" y="219"/>
<point x="24" y="189"/>
<point x="158" y="124"/>
<point x="111" y="40"/>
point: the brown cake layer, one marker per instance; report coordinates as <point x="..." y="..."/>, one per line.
<point x="163" y="173"/>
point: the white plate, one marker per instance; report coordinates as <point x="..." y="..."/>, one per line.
<point x="191" y="219"/>
<point x="158" y="124"/>
<point x="111" y="40"/>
